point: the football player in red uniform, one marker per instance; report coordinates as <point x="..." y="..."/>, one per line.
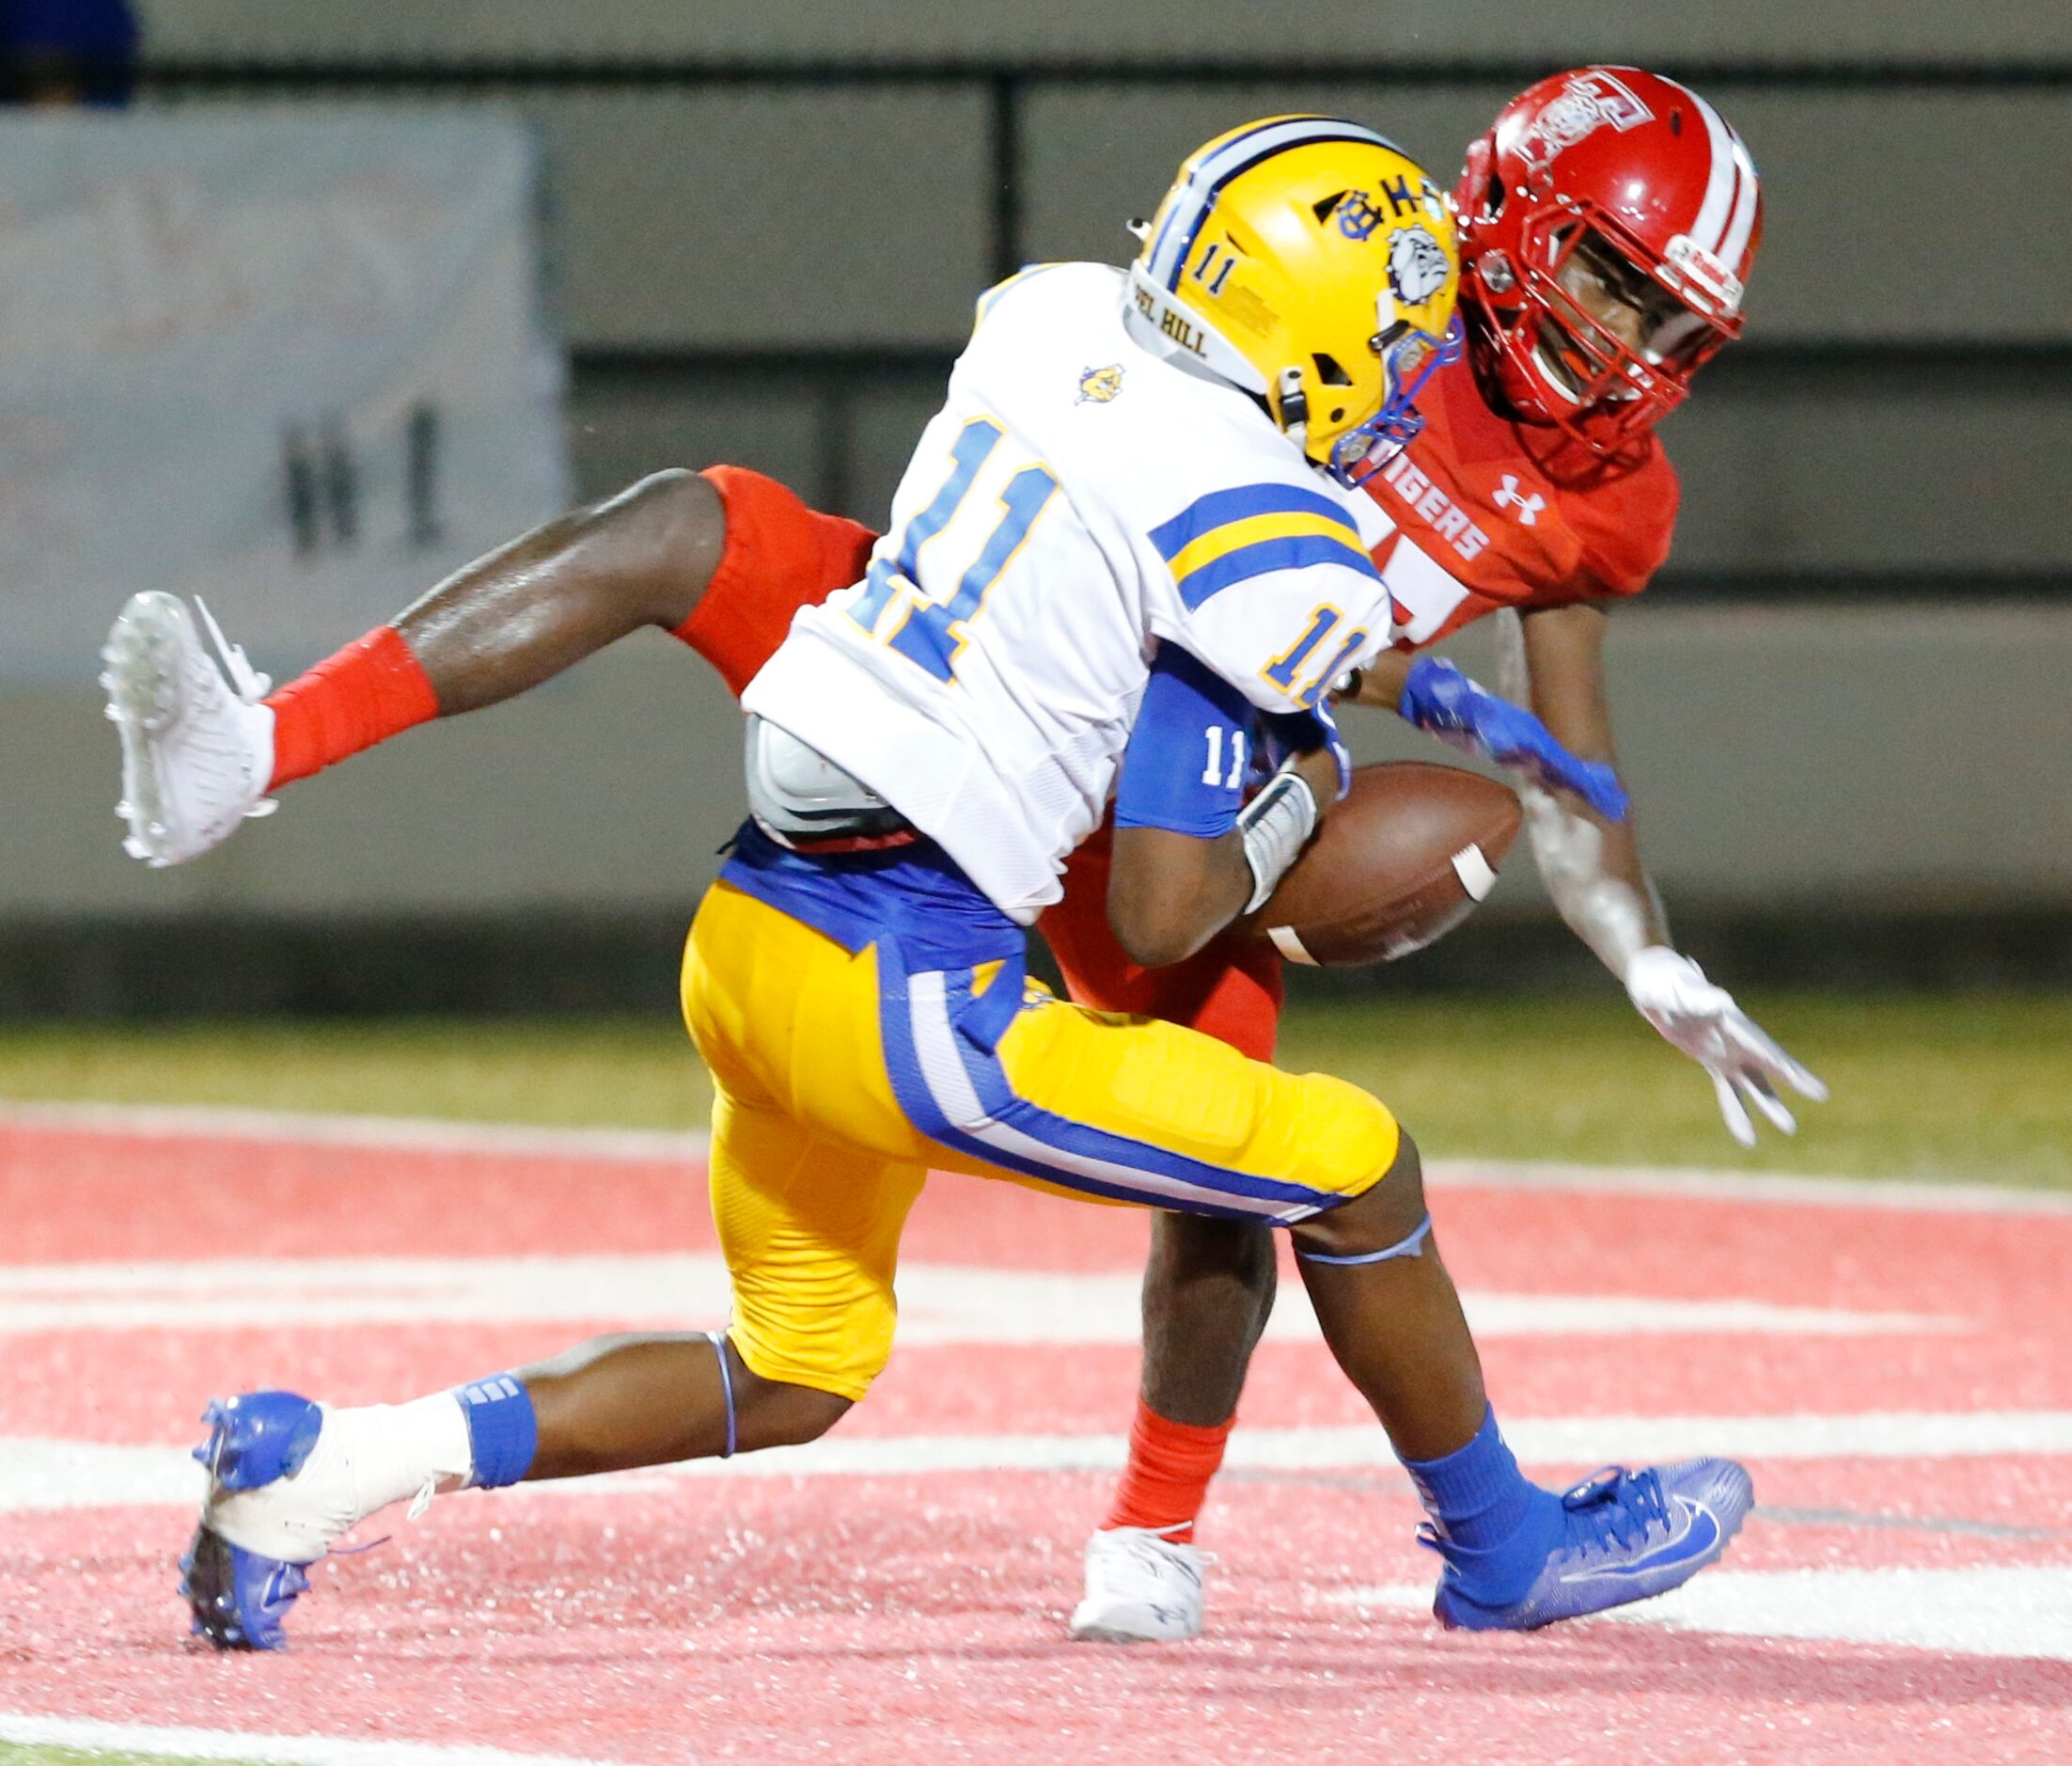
<point x="1608" y="220"/>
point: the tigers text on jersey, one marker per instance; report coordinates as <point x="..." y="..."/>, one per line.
<point x="1079" y="495"/>
<point x="1494" y="512"/>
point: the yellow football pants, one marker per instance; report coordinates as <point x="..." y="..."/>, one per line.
<point x="843" y="1078"/>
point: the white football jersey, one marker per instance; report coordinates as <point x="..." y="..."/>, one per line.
<point x="1080" y="494"/>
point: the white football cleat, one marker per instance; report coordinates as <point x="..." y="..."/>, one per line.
<point x="197" y="747"/>
<point x="1142" y="1588"/>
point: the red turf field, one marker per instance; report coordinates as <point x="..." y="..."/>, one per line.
<point x="1897" y="1376"/>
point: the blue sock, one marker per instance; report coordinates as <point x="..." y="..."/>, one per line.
<point x="502" y="1432"/>
<point x="1495" y="1526"/>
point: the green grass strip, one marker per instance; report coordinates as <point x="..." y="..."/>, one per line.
<point x="1974" y="1088"/>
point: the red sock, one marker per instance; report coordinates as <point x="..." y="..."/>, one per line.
<point x="369" y="691"/>
<point x="1166" y="1479"/>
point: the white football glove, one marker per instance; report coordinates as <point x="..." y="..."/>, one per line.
<point x="1671" y="992"/>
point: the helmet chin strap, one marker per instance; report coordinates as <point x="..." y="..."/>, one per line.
<point x="1294" y="405"/>
<point x="1550" y="376"/>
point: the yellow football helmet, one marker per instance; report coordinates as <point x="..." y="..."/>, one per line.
<point x="1309" y="262"/>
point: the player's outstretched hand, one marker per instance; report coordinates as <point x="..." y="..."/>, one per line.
<point x="1671" y="992"/>
<point x="1439" y="699"/>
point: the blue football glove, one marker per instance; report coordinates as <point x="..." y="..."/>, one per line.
<point x="1438" y="698"/>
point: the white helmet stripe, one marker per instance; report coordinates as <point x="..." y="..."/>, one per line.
<point x="1713" y="212"/>
<point x="1168" y="252"/>
<point x="1743" y="221"/>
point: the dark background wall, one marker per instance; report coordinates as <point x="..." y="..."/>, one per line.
<point x="765" y="228"/>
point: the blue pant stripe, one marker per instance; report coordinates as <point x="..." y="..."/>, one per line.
<point x="918" y="1101"/>
<point x="1208" y="1186"/>
<point x="1001" y="1102"/>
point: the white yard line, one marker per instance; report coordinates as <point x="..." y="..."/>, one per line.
<point x="68" y="1474"/>
<point x="311" y="1129"/>
<point x="1581" y="1440"/>
<point x="1992" y="1611"/>
<point x="230" y="1744"/>
<point x="938" y="1303"/>
<point x="640" y="1146"/>
<point x="1923" y="1195"/>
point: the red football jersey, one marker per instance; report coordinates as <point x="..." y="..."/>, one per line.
<point x="1491" y="512"/>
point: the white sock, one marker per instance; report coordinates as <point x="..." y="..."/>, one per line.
<point x="395" y="1450"/>
<point x="366" y="1458"/>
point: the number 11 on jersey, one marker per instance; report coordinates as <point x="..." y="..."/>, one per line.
<point x="1212" y="773"/>
<point x="932" y="633"/>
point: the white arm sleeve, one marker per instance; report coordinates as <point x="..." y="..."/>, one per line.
<point x="1603" y="911"/>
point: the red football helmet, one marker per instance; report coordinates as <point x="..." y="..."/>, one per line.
<point x="1607" y="224"/>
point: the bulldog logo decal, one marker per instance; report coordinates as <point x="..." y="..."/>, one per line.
<point x="1418" y="265"/>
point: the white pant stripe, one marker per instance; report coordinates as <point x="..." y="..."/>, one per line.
<point x="950" y="1085"/>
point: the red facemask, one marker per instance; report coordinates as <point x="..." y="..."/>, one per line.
<point x="1609" y="221"/>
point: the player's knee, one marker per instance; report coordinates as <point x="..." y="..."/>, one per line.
<point x="1202" y="1268"/>
<point x="1385" y="1213"/>
<point x="1188" y="1249"/>
<point x="777" y="1414"/>
<point x="681" y="525"/>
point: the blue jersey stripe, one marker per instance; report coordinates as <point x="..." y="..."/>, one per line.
<point x="1221" y="508"/>
<point x="1270" y="554"/>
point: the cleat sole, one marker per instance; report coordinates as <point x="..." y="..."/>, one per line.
<point x="207" y="1584"/>
<point x="142" y="700"/>
<point x="1114" y="1634"/>
<point x="235" y="1598"/>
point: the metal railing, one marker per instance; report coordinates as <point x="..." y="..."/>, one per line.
<point x="834" y="381"/>
<point x="1008" y="85"/>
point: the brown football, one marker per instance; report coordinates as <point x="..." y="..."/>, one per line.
<point x="1401" y="861"/>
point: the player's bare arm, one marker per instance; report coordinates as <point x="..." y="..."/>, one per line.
<point x="1564" y="683"/>
<point x="1170" y="894"/>
<point x="1555" y="659"/>
<point x="1380" y="682"/>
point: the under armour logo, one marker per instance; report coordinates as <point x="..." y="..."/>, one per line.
<point x="1528" y="503"/>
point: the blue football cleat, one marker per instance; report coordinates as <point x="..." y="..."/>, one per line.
<point x="240" y="1597"/>
<point x="1625" y="1536"/>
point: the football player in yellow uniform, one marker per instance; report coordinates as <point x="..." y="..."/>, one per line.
<point x="1073" y="589"/>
